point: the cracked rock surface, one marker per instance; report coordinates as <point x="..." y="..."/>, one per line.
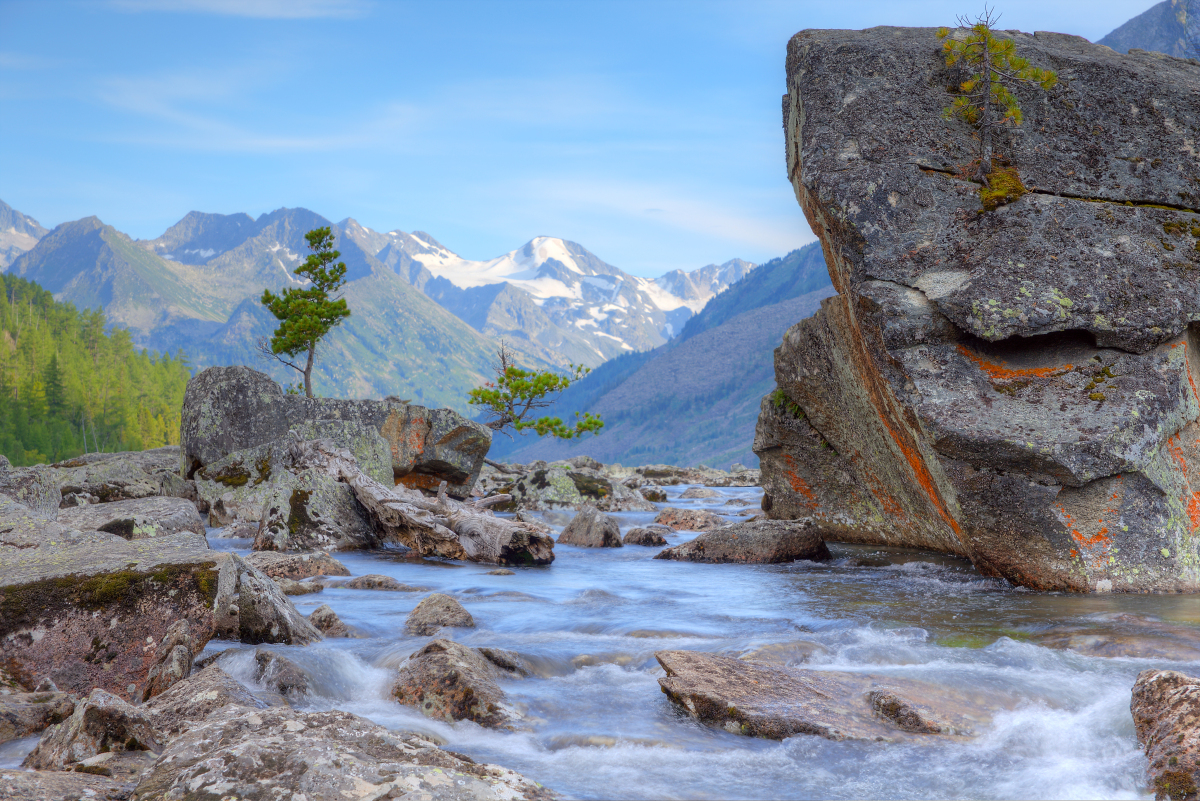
<point x="1015" y="386"/>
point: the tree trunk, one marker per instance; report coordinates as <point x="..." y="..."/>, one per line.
<point x="430" y="526"/>
<point x="985" y="118"/>
<point x="312" y="353"/>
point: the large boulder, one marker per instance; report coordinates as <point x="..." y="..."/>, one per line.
<point x="1166" y="708"/>
<point x="264" y="613"/>
<point x="231" y="409"/>
<point x="752" y="541"/>
<point x="1013" y="384"/>
<point x="88" y="608"/>
<point x="320" y="756"/>
<point x="127" y="475"/>
<point x="763" y="700"/>
<point x="434" y="612"/>
<point x="135" y="519"/>
<point x="36" y="488"/>
<point x="101" y="722"/>
<point x="449" y="681"/>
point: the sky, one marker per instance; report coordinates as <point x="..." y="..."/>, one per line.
<point x="649" y="132"/>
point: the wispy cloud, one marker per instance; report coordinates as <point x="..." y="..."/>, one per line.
<point x="24" y="61"/>
<point x="262" y="9"/>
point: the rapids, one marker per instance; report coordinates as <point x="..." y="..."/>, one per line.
<point x="599" y="727"/>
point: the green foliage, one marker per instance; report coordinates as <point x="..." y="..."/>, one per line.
<point x="985" y="98"/>
<point x="306" y="315"/>
<point x="1003" y="186"/>
<point x="67" y="387"/>
<point x="780" y="400"/>
<point x="517" y="393"/>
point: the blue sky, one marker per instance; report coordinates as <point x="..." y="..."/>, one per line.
<point x="649" y="132"/>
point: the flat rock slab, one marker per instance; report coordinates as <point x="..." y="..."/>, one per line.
<point x="320" y="756"/>
<point x="297" y="566"/>
<point x="136" y="519"/>
<point x="753" y="541"/>
<point x="761" y="700"/>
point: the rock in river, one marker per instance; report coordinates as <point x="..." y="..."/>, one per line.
<point x="434" y="612"/>
<point x="652" y="536"/>
<point x="689" y="519"/>
<point x="297" y="565"/>
<point x="762" y="700"/>
<point x="985" y="384"/>
<point x="449" y="681"/>
<point x="752" y="541"/>
<point x="591" y="528"/>
<point x="1166" y="708"/>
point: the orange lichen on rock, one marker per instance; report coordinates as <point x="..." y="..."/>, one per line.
<point x="998" y="372"/>
<point x="799" y="485"/>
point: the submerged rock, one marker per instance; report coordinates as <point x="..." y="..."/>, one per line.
<point x="591" y="528"/>
<point x="231" y="409"/>
<point x="1124" y="635"/>
<point x="752" y="541"/>
<point x="449" y="681"/>
<point x="374" y="581"/>
<point x="280" y="674"/>
<point x="320" y="756"/>
<point x="1166" y="707"/>
<point x="693" y="493"/>
<point x="136" y="519"/>
<point x="434" y="612"/>
<point x="983" y="385"/>
<point x="763" y="700"/>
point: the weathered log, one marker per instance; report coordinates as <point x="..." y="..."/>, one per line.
<point x="438" y="526"/>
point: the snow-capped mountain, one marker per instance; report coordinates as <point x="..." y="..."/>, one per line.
<point x="551" y="296"/>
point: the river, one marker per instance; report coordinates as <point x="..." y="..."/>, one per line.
<point x="597" y="725"/>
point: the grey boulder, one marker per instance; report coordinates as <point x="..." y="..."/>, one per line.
<point x="752" y="541"/>
<point x="136" y="519"/>
<point x="436" y="611"/>
<point x="591" y="528"/>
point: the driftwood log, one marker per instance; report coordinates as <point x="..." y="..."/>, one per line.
<point x="438" y="526"/>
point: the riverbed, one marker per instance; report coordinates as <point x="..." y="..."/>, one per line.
<point x="596" y="724"/>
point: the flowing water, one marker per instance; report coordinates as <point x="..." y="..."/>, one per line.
<point x="599" y="727"/>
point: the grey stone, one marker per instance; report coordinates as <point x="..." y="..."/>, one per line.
<point x="36" y="488"/>
<point x="230" y="409"/>
<point x="376" y="582"/>
<point x="694" y="493"/>
<point x="434" y="612"/>
<point x="652" y="536"/>
<point x="26" y="714"/>
<point x="326" y="621"/>
<point x="297" y="565"/>
<point x="172" y="660"/>
<point x="291" y="587"/>
<point x="1003" y="385"/>
<point x="752" y="542"/>
<point x="124" y="476"/>
<point x="280" y="674"/>
<point x="449" y="681"/>
<point x="265" y="615"/>
<point x="591" y="528"/>
<point x="689" y="519"/>
<point x="320" y="756"/>
<point x="100" y="722"/>
<point x="195" y="698"/>
<point x="135" y="519"/>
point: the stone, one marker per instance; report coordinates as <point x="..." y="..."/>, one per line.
<point x="326" y="621"/>
<point x="265" y="615"/>
<point x="127" y="475"/>
<point x="376" y="582"/>
<point x="646" y="536"/>
<point x="653" y="495"/>
<point x="563" y="486"/>
<point x="434" y="612"/>
<point x="92" y="784"/>
<point x="195" y="698"/>
<point x="320" y="756"/>
<point x="280" y="674"/>
<point x="230" y="409"/>
<point x="172" y="660"/>
<point x="296" y="565"/>
<point x="1165" y="705"/>
<point x="35" y="488"/>
<point x="763" y="700"/>
<point x="292" y="588"/>
<point x="137" y="518"/>
<point x="795" y="652"/>
<point x="752" y="542"/>
<point x="87" y="609"/>
<point x="101" y="722"/>
<point x="982" y="385"/>
<point x="26" y="714"/>
<point x="449" y="681"/>
<point x="591" y="528"/>
<point x="689" y="519"/>
<point x="503" y="571"/>
<point x="692" y="493"/>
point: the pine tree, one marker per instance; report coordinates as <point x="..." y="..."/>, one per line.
<point x="307" y="315"/>
<point x="55" y="393"/>
<point x="986" y="101"/>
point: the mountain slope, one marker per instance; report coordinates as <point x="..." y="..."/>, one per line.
<point x="1162" y="28"/>
<point x="18" y="233"/>
<point x="695" y="403"/>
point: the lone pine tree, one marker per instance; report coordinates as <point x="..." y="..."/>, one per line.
<point x="517" y="394"/>
<point x="306" y="315"/>
<point x="986" y="100"/>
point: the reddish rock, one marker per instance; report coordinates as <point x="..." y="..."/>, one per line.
<point x="297" y="566"/>
<point x="689" y="519"/>
<point x="449" y="681"/>
<point x="753" y="541"/>
<point x="1165" y="707"/>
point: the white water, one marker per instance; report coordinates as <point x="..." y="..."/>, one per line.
<point x="599" y="727"/>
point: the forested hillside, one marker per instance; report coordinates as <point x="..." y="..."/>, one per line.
<point x="67" y="387"/>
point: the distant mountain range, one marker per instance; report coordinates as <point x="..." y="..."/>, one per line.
<point x="425" y="321"/>
<point x="694" y="399"/>
<point x="1171" y="27"/>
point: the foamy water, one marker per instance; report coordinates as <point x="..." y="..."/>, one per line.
<point x="597" y="725"/>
